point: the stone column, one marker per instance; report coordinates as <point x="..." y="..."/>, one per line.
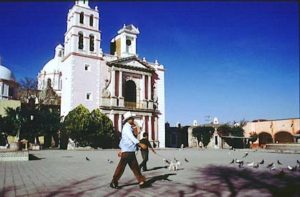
<point x="121" y="98"/>
<point x="156" y="128"/>
<point x="113" y="81"/>
<point x="144" y="126"/>
<point x="111" y="115"/>
<point x="150" y="128"/>
<point x="143" y="92"/>
<point x="120" y="122"/>
<point x="149" y="88"/>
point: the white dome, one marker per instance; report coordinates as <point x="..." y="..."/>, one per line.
<point x="54" y="65"/>
<point x="6" y="74"/>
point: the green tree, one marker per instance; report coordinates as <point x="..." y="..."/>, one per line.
<point x="75" y="125"/>
<point x="88" y="129"/>
<point x="253" y="137"/>
<point x="203" y="134"/>
<point x="11" y="123"/>
<point x="100" y="130"/>
<point x="224" y="130"/>
<point x="231" y="132"/>
<point x="46" y="122"/>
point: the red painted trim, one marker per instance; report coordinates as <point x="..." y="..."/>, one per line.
<point x="146" y="123"/>
<point x="153" y="128"/>
<point x="116" y="122"/>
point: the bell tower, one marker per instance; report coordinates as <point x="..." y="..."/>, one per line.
<point x="82" y="58"/>
<point x="124" y="44"/>
<point x="83" y="35"/>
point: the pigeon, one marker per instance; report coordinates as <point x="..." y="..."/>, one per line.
<point x="238" y="161"/>
<point x="256" y="165"/>
<point x="279" y="163"/>
<point x="165" y="160"/>
<point x="262" y="162"/>
<point x="270" y="165"/>
<point x="232" y="148"/>
<point x="273" y="167"/>
<point x="87" y="158"/>
<point x="251" y="164"/>
<point x="186" y="160"/>
<point x="110" y="161"/>
<point x="232" y="161"/>
<point x="291" y="168"/>
<point x="241" y="164"/>
<point x="246" y="154"/>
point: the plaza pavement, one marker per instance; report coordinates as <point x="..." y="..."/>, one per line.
<point x="208" y="173"/>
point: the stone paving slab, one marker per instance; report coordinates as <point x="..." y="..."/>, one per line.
<point x="7" y="155"/>
<point x="208" y="173"/>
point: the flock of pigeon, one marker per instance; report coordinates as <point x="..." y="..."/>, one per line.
<point x="173" y="165"/>
<point x="272" y="166"/>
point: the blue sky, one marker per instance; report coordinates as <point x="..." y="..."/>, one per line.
<point x="231" y="60"/>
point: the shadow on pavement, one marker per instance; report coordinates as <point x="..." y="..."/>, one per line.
<point x="164" y="177"/>
<point x="33" y="157"/>
<point x="222" y="181"/>
<point x="207" y="181"/>
<point x="157" y="168"/>
<point x="77" y="188"/>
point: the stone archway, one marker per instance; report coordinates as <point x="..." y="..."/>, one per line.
<point x="264" y="138"/>
<point x="130" y="94"/>
<point x="297" y="136"/>
<point x="283" y="137"/>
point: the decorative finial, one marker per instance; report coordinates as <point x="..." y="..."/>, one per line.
<point x="96" y="8"/>
<point x="156" y="62"/>
<point x="144" y="59"/>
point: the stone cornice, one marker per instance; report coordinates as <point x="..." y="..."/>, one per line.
<point x="129" y="109"/>
<point x="118" y="63"/>
<point x="86" y="28"/>
<point x="131" y="67"/>
<point x="82" y="55"/>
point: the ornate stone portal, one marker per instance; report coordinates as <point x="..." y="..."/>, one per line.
<point x="48" y="96"/>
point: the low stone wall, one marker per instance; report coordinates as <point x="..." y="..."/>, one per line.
<point x="284" y="147"/>
<point x="8" y="155"/>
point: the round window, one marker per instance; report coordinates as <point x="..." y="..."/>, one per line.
<point x="128" y="42"/>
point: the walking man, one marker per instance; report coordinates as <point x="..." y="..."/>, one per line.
<point x="145" y="152"/>
<point x="128" y="145"/>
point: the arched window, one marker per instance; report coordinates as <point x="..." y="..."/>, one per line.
<point x="80" y="40"/>
<point x="81" y="17"/>
<point x="91" y="20"/>
<point x="92" y="38"/>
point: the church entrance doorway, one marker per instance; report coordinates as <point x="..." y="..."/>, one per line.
<point x="130" y="94"/>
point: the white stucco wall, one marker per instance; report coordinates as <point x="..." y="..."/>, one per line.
<point x="161" y="105"/>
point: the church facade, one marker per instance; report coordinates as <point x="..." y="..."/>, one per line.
<point x="80" y="73"/>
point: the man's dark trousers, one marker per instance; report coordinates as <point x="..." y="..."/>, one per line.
<point x="143" y="165"/>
